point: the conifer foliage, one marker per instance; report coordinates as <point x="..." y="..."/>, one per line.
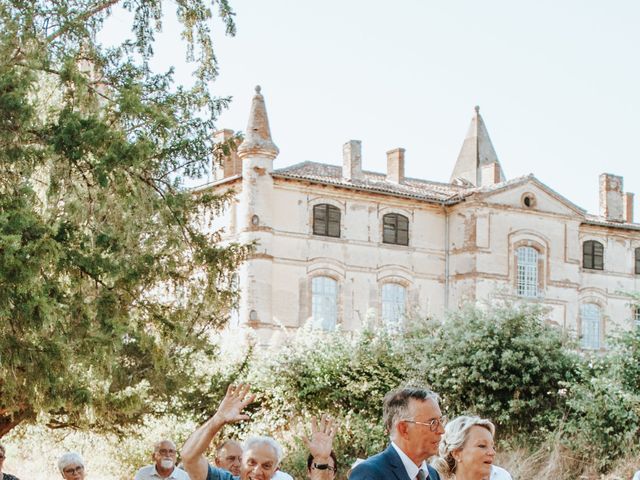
<point x="109" y="285"/>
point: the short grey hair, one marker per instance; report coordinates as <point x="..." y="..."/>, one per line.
<point x="228" y="441"/>
<point x="262" y="440"/>
<point x="456" y="433"/>
<point x="69" y="458"/>
<point x="156" y="446"/>
<point x="396" y="404"/>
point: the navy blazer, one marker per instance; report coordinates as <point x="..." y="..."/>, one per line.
<point x="386" y="465"/>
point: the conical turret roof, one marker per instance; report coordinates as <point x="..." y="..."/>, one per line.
<point x="257" y="138"/>
<point x="476" y="152"/>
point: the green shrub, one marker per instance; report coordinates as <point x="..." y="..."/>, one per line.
<point x="602" y="421"/>
<point x="503" y="362"/>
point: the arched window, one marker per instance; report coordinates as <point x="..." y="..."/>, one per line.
<point x="527" y="281"/>
<point x="590" y="317"/>
<point x="324" y="303"/>
<point x="394" y="300"/>
<point x="326" y="220"/>
<point x="395" y="229"/>
<point x="638" y="261"/>
<point x="592" y="255"/>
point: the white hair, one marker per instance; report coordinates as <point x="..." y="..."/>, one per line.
<point x="262" y="440"/>
<point x="69" y="458"/>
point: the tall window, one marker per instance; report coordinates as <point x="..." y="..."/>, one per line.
<point x="592" y="255"/>
<point x="324" y="303"/>
<point x="590" y="316"/>
<point x="393" y="304"/>
<point x="527" y="282"/>
<point x="395" y="229"/>
<point x="638" y="261"/>
<point x="636" y="316"/>
<point x="326" y="220"/>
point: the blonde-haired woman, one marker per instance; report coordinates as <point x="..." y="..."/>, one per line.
<point x="466" y="449"/>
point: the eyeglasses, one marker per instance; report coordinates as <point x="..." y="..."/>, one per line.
<point x="432" y="424"/>
<point x="164" y="451"/>
<point x="323" y="466"/>
<point x="72" y="471"/>
<point x="2" y="457"/>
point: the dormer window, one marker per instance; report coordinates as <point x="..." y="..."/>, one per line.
<point x="592" y="255"/>
<point x="395" y="229"/>
<point x="326" y="220"/>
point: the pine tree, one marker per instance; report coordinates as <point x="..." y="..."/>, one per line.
<point x="111" y="279"/>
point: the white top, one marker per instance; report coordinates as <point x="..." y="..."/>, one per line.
<point x="280" y="475"/>
<point x="411" y="468"/>
<point x="499" y="473"/>
<point x="150" y="473"/>
<point x="636" y="476"/>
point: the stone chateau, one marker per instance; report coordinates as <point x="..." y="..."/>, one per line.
<point x="341" y="246"/>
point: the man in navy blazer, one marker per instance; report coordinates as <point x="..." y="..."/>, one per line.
<point x="415" y="424"/>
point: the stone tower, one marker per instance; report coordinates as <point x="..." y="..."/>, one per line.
<point x="255" y="207"/>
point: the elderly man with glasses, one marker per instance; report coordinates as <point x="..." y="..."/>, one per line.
<point x="415" y="424"/>
<point x="164" y="466"/>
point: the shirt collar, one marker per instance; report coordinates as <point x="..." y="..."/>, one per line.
<point x="156" y="474"/>
<point x="411" y="468"/>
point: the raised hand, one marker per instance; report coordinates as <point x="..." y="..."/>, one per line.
<point x="235" y="400"/>
<point x="321" y="440"/>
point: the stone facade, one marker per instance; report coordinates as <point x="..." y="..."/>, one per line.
<point x="341" y="246"/>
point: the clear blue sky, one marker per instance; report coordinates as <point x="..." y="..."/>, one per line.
<point x="558" y="83"/>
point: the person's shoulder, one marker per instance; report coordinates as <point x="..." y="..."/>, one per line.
<point x="499" y="473"/>
<point x="216" y="473"/>
<point x="433" y="473"/>
<point x="637" y="475"/>
<point x="179" y="474"/>
<point x="280" y="475"/>
<point x="372" y="468"/>
<point x="144" y="472"/>
<point x="8" y="476"/>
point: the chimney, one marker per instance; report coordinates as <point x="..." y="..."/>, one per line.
<point x="230" y="163"/>
<point x="628" y="207"/>
<point x="352" y="160"/>
<point x="395" y="165"/>
<point x="489" y="174"/>
<point x="611" y="198"/>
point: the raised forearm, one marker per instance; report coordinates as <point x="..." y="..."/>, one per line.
<point x="194" y="448"/>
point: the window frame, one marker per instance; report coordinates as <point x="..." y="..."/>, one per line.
<point x="527" y="283"/>
<point x="597" y="329"/>
<point x="395" y="225"/>
<point x="395" y="323"/>
<point x="328" y="211"/>
<point x="590" y="256"/>
<point x="637" y="260"/>
<point x="317" y="321"/>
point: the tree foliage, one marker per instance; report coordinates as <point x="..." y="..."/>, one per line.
<point x="108" y="287"/>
